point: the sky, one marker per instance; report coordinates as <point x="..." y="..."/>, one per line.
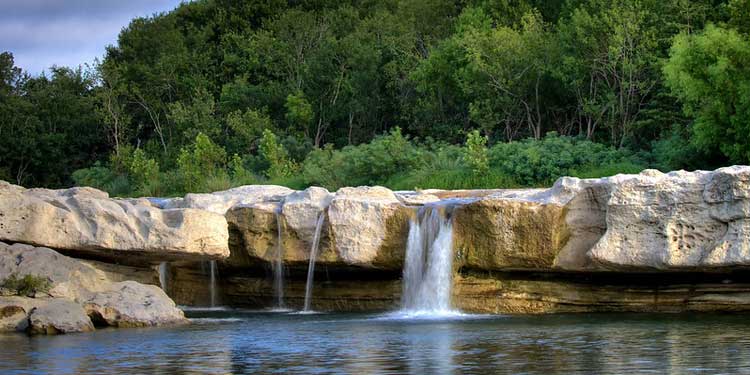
<point x="42" y="33"/>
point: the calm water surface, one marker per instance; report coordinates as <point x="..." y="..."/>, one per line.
<point x="244" y="342"/>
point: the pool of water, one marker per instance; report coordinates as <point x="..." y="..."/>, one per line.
<point x="237" y="341"/>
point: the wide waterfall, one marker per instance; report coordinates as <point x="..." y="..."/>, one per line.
<point x="278" y="265"/>
<point x="428" y="267"/>
<point x="313" y="256"/>
<point x="163" y="269"/>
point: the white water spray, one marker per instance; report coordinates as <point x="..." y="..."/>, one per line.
<point x="428" y="267"/>
<point x="278" y="266"/>
<point x="163" y="276"/>
<point x="313" y="256"/>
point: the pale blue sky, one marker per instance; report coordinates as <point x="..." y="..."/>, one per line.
<point x="42" y="33"/>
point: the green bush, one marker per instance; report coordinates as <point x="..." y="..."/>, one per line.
<point x="366" y="164"/>
<point x="540" y="163"/>
<point x="97" y="176"/>
<point x="28" y="285"/>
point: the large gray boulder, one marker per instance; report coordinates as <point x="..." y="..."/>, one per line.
<point x="58" y="316"/>
<point x="131" y="304"/>
<point x="87" y="220"/>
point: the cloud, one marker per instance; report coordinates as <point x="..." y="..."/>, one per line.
<point x="42" y="33"/>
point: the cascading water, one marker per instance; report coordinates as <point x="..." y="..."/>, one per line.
<point x="212" y="286"/>
<point x="313" y="256"/>
<point x="278" y="266"/>
<point x="428" y="267"/>
<point x="163" y="276"/>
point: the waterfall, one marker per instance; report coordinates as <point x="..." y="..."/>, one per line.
<point x="428" y="267"/>
<point x="278" y="266"/>
<point x="163" y="276"/>
<point x="212" y="286"/>
<point x="313" y="256"/>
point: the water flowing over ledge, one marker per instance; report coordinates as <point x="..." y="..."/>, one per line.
<point x="647" y="242"/>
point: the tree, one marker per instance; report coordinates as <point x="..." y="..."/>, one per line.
<point x="609" y="62"/>
<point x="710" y="73"/>
<point x="513" y="63"/>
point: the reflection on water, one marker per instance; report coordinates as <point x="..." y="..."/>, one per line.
<point x="235" y="341"/>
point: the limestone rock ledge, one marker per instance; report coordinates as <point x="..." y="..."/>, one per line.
<point x="80" y="296"/>
<point x="87" y="220"/>
<point x="362" y="227"/>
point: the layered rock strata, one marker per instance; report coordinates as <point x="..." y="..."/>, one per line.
<point x="581" y="245"/>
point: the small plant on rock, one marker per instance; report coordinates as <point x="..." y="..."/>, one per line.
<point x="28" y="285"/>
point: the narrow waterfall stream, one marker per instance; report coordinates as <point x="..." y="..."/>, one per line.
<point x="313" y="256"/>
<point x="428" y="267"/>
<point x="163" y="269"/>
<point x="278" y="266"/>
<point x="212" y="286"/>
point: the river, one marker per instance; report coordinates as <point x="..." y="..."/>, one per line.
<point x="222" y="341"/>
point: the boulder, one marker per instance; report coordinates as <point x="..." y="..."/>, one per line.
<point x="87" y="220"/>
<point x="14" y="314"/>
<point x="131" y="304"/>
<point x="68" y="277"/>
<point x="59" y="316"/>
<point x="221" y="201"/>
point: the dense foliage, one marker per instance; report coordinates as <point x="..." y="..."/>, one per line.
<point x="403" y="93"/>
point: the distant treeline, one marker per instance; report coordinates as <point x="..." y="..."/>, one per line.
<point x="403" y="93"/>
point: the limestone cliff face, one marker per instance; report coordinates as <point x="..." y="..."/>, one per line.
<point x="87" y="220"/>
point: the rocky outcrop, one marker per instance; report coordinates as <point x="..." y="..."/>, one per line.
<point x="677" y="221"/>
<point x="87" y="220"/>
<point x="78" y="293"/>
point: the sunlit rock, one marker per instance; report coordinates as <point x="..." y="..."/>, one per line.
<point x="87" y="220"/>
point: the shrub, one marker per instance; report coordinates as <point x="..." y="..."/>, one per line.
<point x="28" y="285"/>
<point x="199" y="162"/>
<point x="279" y="163"/>
<point x="476" y="153"/>
<point x="540" y="163"/>
<point x="366" y="164"/>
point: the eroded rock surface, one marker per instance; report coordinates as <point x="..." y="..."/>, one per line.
<point x="677" y="221"/>
<point x="87" y="220"/>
